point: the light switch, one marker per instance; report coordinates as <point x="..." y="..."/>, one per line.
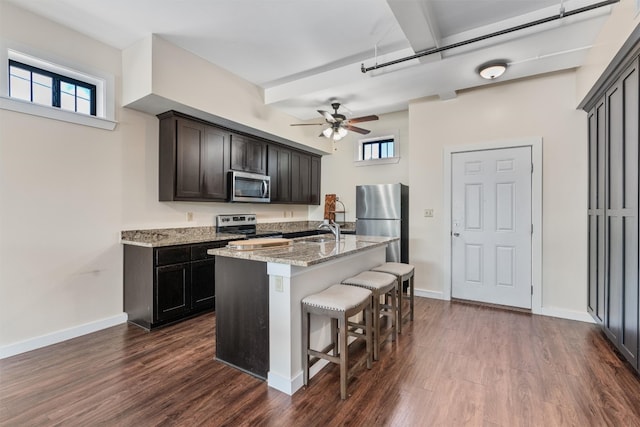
<point x="277" y="281"/>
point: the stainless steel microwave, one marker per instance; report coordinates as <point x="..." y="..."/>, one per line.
<point x="249" y="187"/>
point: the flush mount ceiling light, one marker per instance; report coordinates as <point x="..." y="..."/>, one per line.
<point x="492" y="70"/>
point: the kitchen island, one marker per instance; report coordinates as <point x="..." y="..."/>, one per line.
<point x="259" y="294"/>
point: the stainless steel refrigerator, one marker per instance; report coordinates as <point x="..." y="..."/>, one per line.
<point x="383" y="210"/>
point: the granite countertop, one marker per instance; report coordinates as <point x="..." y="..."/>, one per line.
<point x="183" y="236"/>
<point x="174" y="236"/>
<point x="304" y="252"/>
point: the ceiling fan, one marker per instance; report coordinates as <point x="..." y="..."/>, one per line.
<point x="339" y="124"/>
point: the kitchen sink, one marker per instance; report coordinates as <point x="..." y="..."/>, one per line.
<point x="320" y="239"/>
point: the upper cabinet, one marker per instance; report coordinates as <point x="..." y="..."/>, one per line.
<point x="248" y="154"/>
<point x="196" y="156"/>
<point x="193" y="158"/>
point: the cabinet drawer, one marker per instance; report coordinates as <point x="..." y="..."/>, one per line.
<point x="172" y="255"/>
<point x="199" y="251"/>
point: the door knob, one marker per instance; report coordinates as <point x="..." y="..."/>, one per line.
<point x="456" y="234"/>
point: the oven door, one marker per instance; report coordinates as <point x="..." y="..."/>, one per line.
<point x="249" y="187"/>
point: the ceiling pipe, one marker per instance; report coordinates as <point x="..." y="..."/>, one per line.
<point x="562" y="14"/>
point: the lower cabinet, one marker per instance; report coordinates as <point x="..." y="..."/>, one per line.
<point x="168" y="284"/>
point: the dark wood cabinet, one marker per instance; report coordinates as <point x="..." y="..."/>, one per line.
<point x="279" y="169"/>
<point x="242" y="316"/>
<point x="193" y="159"/>
<point x="196" y="156"/>
<point x="248" y="154"/>
<point x="167" y="284"/>
<point x="613" y="108"/>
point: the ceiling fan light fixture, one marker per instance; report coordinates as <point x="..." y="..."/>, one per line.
<point x="342" y="132"/>
<point x="492" y="70"/>
<point x="327" y="132"/>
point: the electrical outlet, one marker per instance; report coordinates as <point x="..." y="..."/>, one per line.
<point x="278" y="283"/>
<point x="428" y="213"/>
<point x="189" y="216"/>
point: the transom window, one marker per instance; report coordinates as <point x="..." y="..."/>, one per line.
<point x="44" y="87"/>
<point x="378" y="149"/>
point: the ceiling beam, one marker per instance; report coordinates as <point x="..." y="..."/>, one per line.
<point x="416" y="19"/>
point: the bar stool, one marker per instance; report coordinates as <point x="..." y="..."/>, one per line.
<point x="338" y="302"/>
<point x="379" y="284"/>
<point x="403" y="272"/>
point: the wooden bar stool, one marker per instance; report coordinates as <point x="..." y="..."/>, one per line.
<point x="403" y="272"/>
<point x="379" y="284"/>
<point x="338" y="302"/>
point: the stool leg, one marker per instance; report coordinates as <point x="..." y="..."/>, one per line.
<point x="344" y="359"/>
<point x="394" y="312"/>
<point x="305" y="346"/>
<point x="400" y="293"/>
<point x="376" y="326"/>
<point x="368" y="317"/>
<point x="334" y="336"/>
<point x="411" y="297"/>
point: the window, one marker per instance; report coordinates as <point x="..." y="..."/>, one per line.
<point x="378" y="150"/>
<point x="44" y="87"/>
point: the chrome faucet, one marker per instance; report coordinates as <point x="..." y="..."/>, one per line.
<point x="331" y="226"/>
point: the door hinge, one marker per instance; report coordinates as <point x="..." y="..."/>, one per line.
<point x="531" y="289"/>
<point x="531" y="167"/>
<point x="531" y="228"/>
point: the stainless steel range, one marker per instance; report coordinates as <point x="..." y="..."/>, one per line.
<point x="245" y="224"/>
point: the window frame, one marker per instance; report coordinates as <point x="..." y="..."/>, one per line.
<point x="387" y="137"/>
<point x="105" y="82"/>
<point x="56" y="86"/>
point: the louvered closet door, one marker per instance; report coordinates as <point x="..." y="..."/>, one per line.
<point x="621" y="317"/>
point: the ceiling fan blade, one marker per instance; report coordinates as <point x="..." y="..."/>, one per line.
<point x="363" y="119"/>
<point x="327" y="115"/>
<point x="357" y="129"/>
<point x="307" y="124"/>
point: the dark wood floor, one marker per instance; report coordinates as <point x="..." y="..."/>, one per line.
<point x="456" y="364"/>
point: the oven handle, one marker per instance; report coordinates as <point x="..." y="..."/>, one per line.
<point x="265" y="189"/>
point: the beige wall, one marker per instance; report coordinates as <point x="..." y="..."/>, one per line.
<point x="67" y="190"/>
<point x="340" y="174"/>
<point x="541" y="107"/>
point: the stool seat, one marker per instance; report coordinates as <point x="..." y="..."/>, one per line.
<point x="397" y="268"/>
<point x="371" y="280"/>
<point x="404" y="272"/>
<point x="379" y="284"/>
<point x="339" y="303"/>
<point x="337" y="298"/>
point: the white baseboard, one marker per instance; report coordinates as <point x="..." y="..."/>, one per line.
<point x="59" y="336"/>
<point x="581" y="316"/>
<point x="428" y="294"/>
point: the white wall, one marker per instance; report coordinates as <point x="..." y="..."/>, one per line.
<point x="340" y="174"/>
<point x="542" y="107"/>
<point x="66" y="192"/>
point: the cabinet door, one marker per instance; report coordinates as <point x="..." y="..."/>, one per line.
<point x="172" y="291"/>
<point x="215" y="149"/>
<point x="300" y="177"/>
<point x="621" y="313"/>
<point x="188" y="149"/>
<point x="315" y="180"/>
<point x="248" y="154"/>
<point x="278" y="168"/>
<point x="203" y="284"/>
<point x="596" y="301"/>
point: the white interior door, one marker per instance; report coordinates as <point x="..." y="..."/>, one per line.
<point x="491" y="226"/>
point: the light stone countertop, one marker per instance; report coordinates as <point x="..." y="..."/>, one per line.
<point x="183" y="236"/>
<point x="304" y="252"/>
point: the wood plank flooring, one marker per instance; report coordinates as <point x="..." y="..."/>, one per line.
<point x="455" y="364"/>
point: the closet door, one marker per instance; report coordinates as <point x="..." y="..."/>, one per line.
<point x="621" y="313"/>
<point x="596" y="301"/>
